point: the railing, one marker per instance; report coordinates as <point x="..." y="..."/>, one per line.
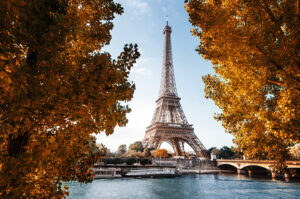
<point x="173" y="125"/>
<point x="294" y="162"/>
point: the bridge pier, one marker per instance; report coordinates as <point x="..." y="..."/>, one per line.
<point x="250" y="172"/>
<point x="240" y="171"/>
<point x="274" y="174"/>
<point x="294" y="173"/>
<point x="287" y="176"/>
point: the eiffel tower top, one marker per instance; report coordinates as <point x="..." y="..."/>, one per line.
<point x="167" y="85"/>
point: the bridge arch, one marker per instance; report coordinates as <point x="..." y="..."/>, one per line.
<point x="255" y="166"/>
<point x="227" y="163"/>
<point x="228" y="167"/>
<point x="256" y="169"/>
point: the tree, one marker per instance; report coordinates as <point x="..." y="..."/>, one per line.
<point x="226" y="153"/>
<point x="131" y="153"/>
<point x="161" y="153"/>
<point x="147" y="152"/>
<point x="237" y="153"/>
<point x="136" y="146"/>
<point x="254" y="48"/>
<point x="57" y="88"/>
<point x="102" y="149"/>
<point x="122" y="149"/>
<point x="211" y="149"/>
<point x="93" y="148"/>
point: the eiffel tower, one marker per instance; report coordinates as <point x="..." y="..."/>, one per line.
<point x="169" y="123"/>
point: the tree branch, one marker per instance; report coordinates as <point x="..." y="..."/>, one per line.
<point x="275" y="82"/>
<point x="268" y="11"/>
<point x="279" y="67"/>
<point x="272" y="17"/>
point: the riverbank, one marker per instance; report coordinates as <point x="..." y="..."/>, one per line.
<point x="146" y="171"/>
<point x="199" y="171"/>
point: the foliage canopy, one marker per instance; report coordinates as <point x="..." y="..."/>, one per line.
<point x="57" y="88"/>
<point x="136" y="146"/>
<point x="122" y="149"/>
<point x="254" y="47"/>
<point x="161" y="153"/>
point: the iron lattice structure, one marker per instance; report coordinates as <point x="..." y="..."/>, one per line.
<point x="169" y="123"/>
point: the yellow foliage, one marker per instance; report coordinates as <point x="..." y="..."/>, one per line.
<point x="131" y="153"/>
<point x="254" y="47"/>
<point x="161" y="153"/>
<point x="56" y="89"/>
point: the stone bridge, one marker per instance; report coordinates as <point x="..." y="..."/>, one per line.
<point x="258" y="167"/>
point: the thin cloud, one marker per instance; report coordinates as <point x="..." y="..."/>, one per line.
<point x="143" y="71"/>
<point x="138" y="6"/>
<point x="140" y="69"/>
<point x="168" y="7"/>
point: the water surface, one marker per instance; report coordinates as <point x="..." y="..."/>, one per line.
<point x="186" y="187"/>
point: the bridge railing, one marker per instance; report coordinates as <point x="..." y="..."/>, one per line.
<point x="258" y="161"/>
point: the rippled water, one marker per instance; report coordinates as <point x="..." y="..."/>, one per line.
<point x="186" y="187"/>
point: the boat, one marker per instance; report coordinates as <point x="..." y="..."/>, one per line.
<point x="106" y="173"/>
<point x="151" y="173"/>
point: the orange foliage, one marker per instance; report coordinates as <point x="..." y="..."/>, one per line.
<point x="254" y="47"/>
<point x="161" y="153"/>
<point x="57" y="88"/>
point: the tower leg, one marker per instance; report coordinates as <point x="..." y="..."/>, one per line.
<point x="157" y="144"/>
<point x="152" y="144"/>
<point x="177" y="147"/>
<point x="198" y="147"/>
<point x="181" y="145"/>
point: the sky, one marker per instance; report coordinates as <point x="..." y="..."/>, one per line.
<point x="142" y="22"/>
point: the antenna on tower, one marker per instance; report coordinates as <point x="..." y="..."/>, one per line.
<point x="167" y="19"/>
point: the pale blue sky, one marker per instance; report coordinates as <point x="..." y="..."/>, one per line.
<point x="142" y="22"/>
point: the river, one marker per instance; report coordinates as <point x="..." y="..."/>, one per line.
<point x="186" y="187"/>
